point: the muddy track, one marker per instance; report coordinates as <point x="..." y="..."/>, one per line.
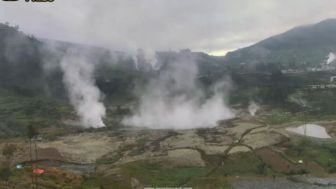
<point x="156" y="143"/>
<point x="239" y="143"/>
<point x="152" y="146"/>
<point x="226" y="152"/>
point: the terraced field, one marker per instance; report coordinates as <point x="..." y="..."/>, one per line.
<point x="238" y="149"/>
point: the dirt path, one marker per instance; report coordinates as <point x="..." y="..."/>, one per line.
<point x="226" y="152"/>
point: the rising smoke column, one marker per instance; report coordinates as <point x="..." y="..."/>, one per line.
<point x="253" y="108"/>
<point x="83" y="93"/>
<point x="175" y="100"/>
<point x="331" y="58"/>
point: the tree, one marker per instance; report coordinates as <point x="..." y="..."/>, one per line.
<point x="31" y="132"/>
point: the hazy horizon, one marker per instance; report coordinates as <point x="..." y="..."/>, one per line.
<point x="214" y="27"/>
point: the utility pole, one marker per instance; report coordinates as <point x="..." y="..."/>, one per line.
<point x="35" y="146"/>
<point x="32" y="133"/>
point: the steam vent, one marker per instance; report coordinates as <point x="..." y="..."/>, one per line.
<point x="149" y="94"/>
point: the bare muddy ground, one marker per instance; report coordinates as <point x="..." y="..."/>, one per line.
<point x="117" y="154"/>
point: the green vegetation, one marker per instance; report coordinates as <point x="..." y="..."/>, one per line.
<point x="282" y="116"/>
<point x="154" y="174"/>
<point x="242" y="164"/>
<point x="159" y="174"/>
<point x="97" y="182"/>
<point x="210" y="183"/>
<point x="297" y="48"/>
<point x="32" y="99"/>
<point x="5" y="169"/>
<point x="279" y="117"/>
<point x="322" y="153"/>
<point x="17" y="112"/>
<point x="91" y="183"/>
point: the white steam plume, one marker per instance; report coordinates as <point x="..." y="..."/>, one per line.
<point x="253" y="108"/>
<point x="83" y="93"/>
<point x="145" y="60"/>
<point x="173" y="100"/>
<point x="331" y="58"/>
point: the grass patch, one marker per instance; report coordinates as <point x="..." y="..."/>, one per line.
<point x="278" y="116"/>
<point x="157" y="175"/>
<point x="210" y="183"/>
<point x="91" y="183"/>
<point x="322" y="153"/>
<point x="17" y="112"/>
<point x="246" y="163"/>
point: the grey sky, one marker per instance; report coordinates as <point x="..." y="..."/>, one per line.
<point x="213" y="26"/>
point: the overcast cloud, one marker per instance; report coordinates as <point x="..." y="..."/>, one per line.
<point x="212" y="26"/>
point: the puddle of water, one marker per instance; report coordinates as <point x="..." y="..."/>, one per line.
<point x="311" y="130"/>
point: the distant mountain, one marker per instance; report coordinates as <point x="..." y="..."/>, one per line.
<point x="301" y="47"/>
<point x="20" y="62"/>
<point x="30" y="66"/>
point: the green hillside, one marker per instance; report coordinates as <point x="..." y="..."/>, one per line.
<point x="298" y="48"/>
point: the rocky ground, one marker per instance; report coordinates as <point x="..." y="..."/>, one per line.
<point x="240" y="148"/>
